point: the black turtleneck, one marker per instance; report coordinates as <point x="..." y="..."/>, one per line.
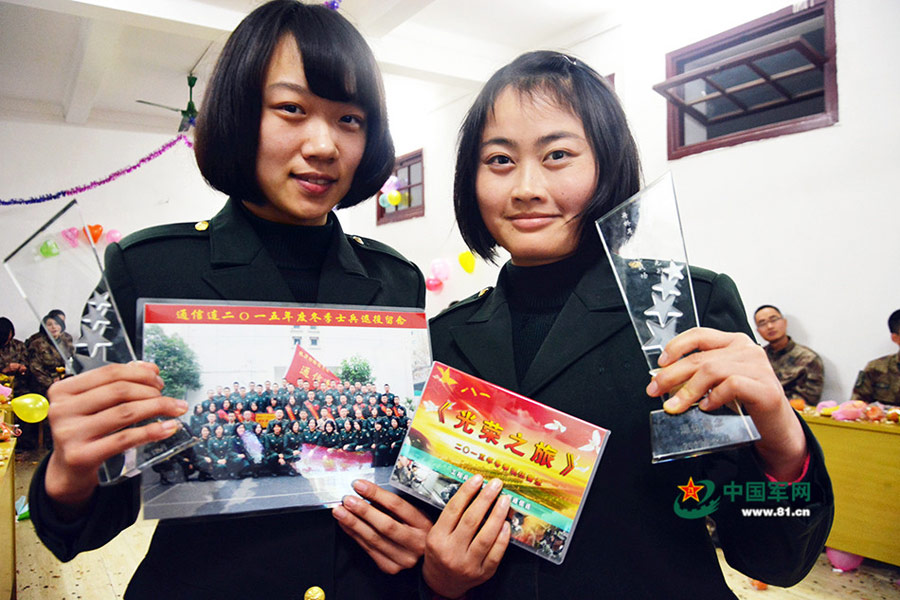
<point x="536" y="296"/>
<point x="298" y="252"/>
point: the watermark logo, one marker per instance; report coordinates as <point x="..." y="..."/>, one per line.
<point x="695" y="499"/>
<point x="698" y="507"/>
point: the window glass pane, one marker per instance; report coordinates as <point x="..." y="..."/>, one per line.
<point x="734" y="76"/>
<point x="415" y="196"/>
<point x="804" y="82"/>
<point x="403" y="175"/>
<point x="783" y="61"/>
<point x="693" y="90"/>
<point x="760" y="94"/>
<point x="415" y="173"/>
<point x="717" y="107"/>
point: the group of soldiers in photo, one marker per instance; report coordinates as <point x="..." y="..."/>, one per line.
<point x="262" y="429"/>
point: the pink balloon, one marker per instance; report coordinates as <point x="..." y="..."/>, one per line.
<point x="845" y="561"/>
<point x="433" y="284"/>
<point x="113" y="236"/>
<point x="440" y="269"/>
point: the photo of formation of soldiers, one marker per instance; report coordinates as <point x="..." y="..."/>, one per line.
<point x="272" y="429"/>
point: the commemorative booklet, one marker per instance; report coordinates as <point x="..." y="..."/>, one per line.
<point x="288" y="403"/>
<point x="546" y="458"/>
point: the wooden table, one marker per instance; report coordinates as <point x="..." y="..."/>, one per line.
<point x="863" y="460"/>
<point x="7" y="520"/>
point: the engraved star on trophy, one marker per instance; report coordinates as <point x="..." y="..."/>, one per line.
<point x="645" y="246"/>
<point x="57" y="268"/>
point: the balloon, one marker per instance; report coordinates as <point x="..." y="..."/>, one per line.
<point x="844" y="561"/>
<point x="95" y="232"/>
<point x="391" y="184"/>
<point x="5" y="391"/>
<point x="467" y="261"/>
<point x="383" y="201"/>
<point x="113" y="236"/>
<point x="49" y="248"/>
<point x="71" y="236"/>
<point x="440" y="269"/>
<point x="31" y="408"/>
<point x="433" y="284"/>
<point x="394" y="197"/>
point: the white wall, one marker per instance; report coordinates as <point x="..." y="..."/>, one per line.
<point x="807" y="222"/>
<point x="42" y="157"/>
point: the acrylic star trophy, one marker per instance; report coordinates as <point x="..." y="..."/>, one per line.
<point x="58" y="268"/>
<point x="645" y="246"/>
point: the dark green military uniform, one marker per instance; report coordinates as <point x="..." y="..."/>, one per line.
<point x="218" y="448"/>
<point x="225" y="259"/>
<point x="239" y="464"/>
<point x="275" y="451"/>
<point x="311" y="436"/>
<point x="800" y="371"/>
<point x="629" y="542"/>
<point x="879" y="381"/>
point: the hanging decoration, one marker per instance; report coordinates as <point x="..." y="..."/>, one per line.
<point x="390" y="195"/>
<point x="440" y="269"/>
<point x="108" y="179"/>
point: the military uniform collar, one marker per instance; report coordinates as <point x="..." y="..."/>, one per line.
<point x="234" y="245"/>
<point x="787" y="348"/>
<point x="590" y="316"/>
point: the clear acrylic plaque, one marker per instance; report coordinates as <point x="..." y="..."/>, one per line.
<point x="645" y="246"/>
<point x="58" y="268"/>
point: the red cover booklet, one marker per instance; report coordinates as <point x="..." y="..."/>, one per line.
<point x="545" y="458"/>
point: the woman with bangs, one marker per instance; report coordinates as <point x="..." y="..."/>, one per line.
<point x="544" y="152"/>
<point x="293" y="125"/>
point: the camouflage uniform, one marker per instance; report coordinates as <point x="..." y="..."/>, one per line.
<point x="43" y="359"/>
<point x="15" y="352"/>
<point x="800" y="371"/>
<point x="879" y="381"/>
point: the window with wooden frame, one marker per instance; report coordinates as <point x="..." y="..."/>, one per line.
<point x="410" y="172"/>
<point x="771" y="77"/>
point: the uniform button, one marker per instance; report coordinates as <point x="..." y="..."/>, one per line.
<point x="314" y="593"/>
<point x="483" y="292"/>
<point x="202" y="226"/>
<point x="358" y="240"/>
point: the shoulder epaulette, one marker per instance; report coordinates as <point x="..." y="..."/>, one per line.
<point x="171" y="230"/>
<point x="376" y="246"/>
<point x="476" y="297"/>
<point x="701" y="274"/>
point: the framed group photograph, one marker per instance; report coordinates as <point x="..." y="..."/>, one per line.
<point x="288" y="403"/>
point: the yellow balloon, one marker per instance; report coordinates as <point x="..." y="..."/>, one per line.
<point x="394" y="197"/>
<point x="31" y="408"/>
<point x="467" y="261"/>
<point x="314" y="593"/>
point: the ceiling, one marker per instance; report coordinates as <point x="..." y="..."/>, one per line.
<point x="88" y="61"/>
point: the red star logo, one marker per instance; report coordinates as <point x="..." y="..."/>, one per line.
<point x="690" y="490"/>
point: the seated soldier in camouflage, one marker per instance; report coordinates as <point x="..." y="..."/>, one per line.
<point x="799" y="369"/>
<point x="880" y="380"/>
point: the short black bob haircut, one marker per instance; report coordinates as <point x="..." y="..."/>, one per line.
<point x="339" y="66"/>
<point x="571" y="84"/>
